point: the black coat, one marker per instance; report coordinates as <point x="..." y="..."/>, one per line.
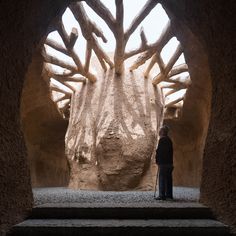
<point x="164" y="152"/>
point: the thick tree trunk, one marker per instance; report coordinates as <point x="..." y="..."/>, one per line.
<point x="113" y="132"/>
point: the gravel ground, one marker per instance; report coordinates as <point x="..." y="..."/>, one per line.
<point x="66" y="195"/>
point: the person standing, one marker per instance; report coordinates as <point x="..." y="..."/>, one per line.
<point x="164" y="160"/>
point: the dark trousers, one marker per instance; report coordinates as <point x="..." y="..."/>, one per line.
<point x="165" y="181"/>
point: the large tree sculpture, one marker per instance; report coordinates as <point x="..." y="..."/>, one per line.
<point x="114" y="117"/>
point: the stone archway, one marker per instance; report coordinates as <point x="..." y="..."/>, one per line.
<point x="217" y="186"/>
<point x="189" y="149"/>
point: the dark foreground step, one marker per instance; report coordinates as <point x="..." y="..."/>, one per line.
<point x="165" y="210"/>
<point x="95" y="227"/>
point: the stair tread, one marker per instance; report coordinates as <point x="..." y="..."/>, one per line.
<point x="168" y="205"/>
<point x="80" y="223"/>
<point x="121" y="211"/>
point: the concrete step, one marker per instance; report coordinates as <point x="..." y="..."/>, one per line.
<point x="171" y="210"/>
<point x="130" y="227"/>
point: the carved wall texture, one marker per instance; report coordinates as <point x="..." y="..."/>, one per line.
<point x="112" y="133"/>
<point x="44" y="130"/>
<point x="189" y="132"/>
<point x="22" y="26"/>
<point x="213" y="24"/>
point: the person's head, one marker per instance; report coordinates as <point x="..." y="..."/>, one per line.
<point x="164" y="130"/>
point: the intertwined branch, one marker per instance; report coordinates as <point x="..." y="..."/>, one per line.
<point x="168" y="74"/>
<point x="77" y="72"/>
<point x="117" y="27"/>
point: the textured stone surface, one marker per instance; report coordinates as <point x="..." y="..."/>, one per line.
<point x="213" y="24"/>
<point x="123" y="223"/>
<point x="119" y="213"/>
<point x="22" y="26"/>
<point x="139" y="227"/>
<point x="112" y="133"/>
<point x="189" y="131"/>
<point x="138" y="206"/>
<point x="44" y="130"/>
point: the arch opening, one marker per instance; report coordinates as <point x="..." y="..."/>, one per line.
<point x="172" y="76"/>
<point x="222" y="76"/>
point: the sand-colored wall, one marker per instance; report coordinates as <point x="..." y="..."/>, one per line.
<point x="213" y="24"/>
<point x="24" y="24"/>
<point x="189" y="131"/>
<point x="44" y="130"/>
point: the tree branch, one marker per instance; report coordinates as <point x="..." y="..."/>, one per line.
<point x="65" y="107"/>
<point x="163" y="75"/>
<point x="64" y="74"/>
<point x="62" y="32"/>
<point x="74" y="56"/>
<point x="174" y="58"/>
<point x="180" y="80"/>
<point x="58" y="89"/>
<point x="88" y="57"/>
<point x="170" y="104"/>
<point x="170" y="92"/>
<point x="60" y="79"/>
<point x="103" y="12"/>
<point x="143" y="38"/>
<point x="119" y="36"/>
<point x="70" y="79"/>
<point x="140" y="17"/>
<point x="98" y="32"/>
<point x="64" y="82"/>
<point x="150" y="66"/>
<point x="166" y="35"/>
<point x="119" y="13"/>
<point x="160" y="63"/>
<point x="76" y="79"/>
<point x="77" y="61"/>
<point x="87" y="28"/>
<point x="55" y="61"/>
<point x="178" y="69"/>
<point x="101" y="55"/>
<point x="151" y="49"/>
<point x="57" y="46"/>
<point x="66" y="96"/>
<point x="173" y="86"/>
<point x="72" y="38"/>
<point x="70" y="76"/>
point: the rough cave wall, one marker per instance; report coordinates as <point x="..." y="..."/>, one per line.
<point x="44" y="130"/>
<point x="189" y="131"/>
<point x="22" y="25"/>
<point x="211" y="22"/>
<point x="214" y="24"/>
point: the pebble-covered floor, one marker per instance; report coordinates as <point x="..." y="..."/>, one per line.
<point x="66" y="195"/>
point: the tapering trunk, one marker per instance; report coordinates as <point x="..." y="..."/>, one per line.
<point x="112" y="133"/>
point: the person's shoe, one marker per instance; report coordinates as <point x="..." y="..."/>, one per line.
<point x="160" y="198"/>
